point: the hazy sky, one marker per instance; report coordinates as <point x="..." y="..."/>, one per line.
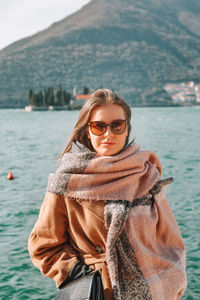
<point x="21" y="18"/>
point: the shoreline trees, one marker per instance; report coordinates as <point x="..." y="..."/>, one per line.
<point x="48" y="97"/>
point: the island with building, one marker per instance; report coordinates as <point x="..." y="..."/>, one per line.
<point x="61" y="99"/>
<point x="178" y="94"/>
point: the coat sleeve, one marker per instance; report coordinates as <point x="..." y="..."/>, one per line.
<point x="48" y="243"/>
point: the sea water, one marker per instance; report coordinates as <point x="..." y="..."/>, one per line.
<point x="29" y="146"/>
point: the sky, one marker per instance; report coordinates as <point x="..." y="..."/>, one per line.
<point x="22" y="18"/>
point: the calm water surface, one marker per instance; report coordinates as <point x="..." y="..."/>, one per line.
<point x="30" y="143"/>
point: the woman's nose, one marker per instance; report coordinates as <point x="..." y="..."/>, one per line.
<point x="108" y="131"/>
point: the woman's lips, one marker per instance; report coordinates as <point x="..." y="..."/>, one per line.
<point x="108" y="143"/>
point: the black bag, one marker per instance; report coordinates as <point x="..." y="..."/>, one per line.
<point x="89" y="287"/>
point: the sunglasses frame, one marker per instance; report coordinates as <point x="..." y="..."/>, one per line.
<point x="108" y="125"/>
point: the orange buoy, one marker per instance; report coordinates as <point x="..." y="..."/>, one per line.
<point x="10" y="175"/>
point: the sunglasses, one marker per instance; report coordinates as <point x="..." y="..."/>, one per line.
<point x="116" y="126"/>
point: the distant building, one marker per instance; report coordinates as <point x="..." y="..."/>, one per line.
<point x="82" y="97"/>
<point x="79" y="100"/>
<point x="183" y="93"/>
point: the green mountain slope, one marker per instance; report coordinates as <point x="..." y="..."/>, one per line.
<point x="133" y="46"/>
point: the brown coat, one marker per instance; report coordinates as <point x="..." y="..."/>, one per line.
<point x="68" y="230"/>
<point x="145" y="254"/>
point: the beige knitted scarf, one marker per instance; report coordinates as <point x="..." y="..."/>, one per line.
<point x="145" y="253"/>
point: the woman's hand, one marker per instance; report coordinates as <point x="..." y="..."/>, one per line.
<point x="79" y="270"/>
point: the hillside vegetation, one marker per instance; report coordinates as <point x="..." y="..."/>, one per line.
<point x="131" y="46"/>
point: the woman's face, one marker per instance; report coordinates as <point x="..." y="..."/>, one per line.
<point x="108" y="143"/>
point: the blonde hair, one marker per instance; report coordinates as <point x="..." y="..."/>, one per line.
<point x="99" y="98"/>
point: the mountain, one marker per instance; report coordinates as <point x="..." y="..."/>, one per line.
<point x="131" y="46"/>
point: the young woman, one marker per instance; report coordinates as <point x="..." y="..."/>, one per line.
<point x="106" y="209"/>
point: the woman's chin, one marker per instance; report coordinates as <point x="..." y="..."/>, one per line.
<point x="107" y="152"/>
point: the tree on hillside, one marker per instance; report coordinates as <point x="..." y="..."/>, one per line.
<point x="66" y="96"/>
<point x="49" y="96"/>
<point x="31" y="97"/>
<point x="59" y="98"/>
<point x="36" y="99"/>
<point x="86" y="90"/>
<point x="40" y="99"/>
<point x="62" y="97"/>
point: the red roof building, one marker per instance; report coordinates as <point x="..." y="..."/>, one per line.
<point x="82" y="97"/>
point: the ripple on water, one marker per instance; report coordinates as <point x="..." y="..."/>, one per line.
<point x="170" y="156"/>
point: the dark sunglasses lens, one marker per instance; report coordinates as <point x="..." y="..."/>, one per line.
<point x="118" y="126"/>
<point x="98" y="128"/>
